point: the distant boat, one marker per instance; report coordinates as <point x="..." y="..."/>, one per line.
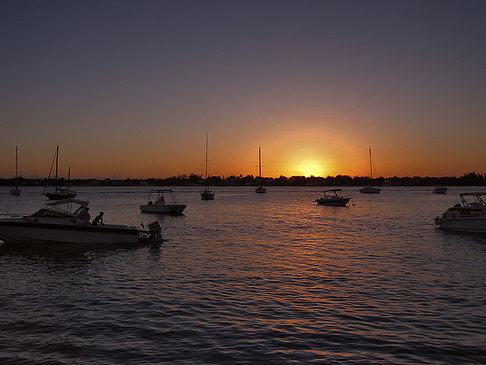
<point x="440" y="189"/>
<point x="16" y="190"/>
<point x="260" y="189"/>
<point x="59" y="193"/>
<point x="207" y="194"/>
<point x="468" y="216"/>
<point x="370" y="189"/>
<point x="333" y="199"/>
<point x="164" y="202"/>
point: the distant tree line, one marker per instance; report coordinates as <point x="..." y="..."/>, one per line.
<point x="469" y="179"/>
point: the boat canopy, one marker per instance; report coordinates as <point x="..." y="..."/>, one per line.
<point x="83" y="203"/>
<point x="161" y="191"/>
<point x="333" y="190"/>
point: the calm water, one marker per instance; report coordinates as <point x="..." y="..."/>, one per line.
<point x="249" y="278"/>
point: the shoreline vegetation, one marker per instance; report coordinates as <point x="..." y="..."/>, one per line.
<point x="469" y="179"/>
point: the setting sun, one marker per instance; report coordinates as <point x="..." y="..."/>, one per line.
<point x="311" y="168"/>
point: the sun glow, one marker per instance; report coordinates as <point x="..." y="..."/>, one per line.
<point x="311" y="168"/>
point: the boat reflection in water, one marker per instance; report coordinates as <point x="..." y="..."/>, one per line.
<point x="468" y="216"/>
<point x="67" y="222"/>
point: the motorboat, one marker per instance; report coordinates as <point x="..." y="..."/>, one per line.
<point x="67" y="222"/>
<point x="331" y="197"/>
<point x="163" y="201"/>
<point x="370" y="189"/>
<point x="260" y="189"/>
<point x="59" y="193"/>
<point x="440" y="189"/>
<point x="467" y="216"/>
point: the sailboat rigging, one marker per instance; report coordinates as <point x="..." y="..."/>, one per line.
<point x="59" y="193"/>
<point x="207" y="194"/>
<point x="370" y="189"/>
<point x="16" y="190"/>
<point x="260" y="189"/>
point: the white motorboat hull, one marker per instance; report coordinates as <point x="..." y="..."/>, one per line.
<point x="22" y="230"/>
<point x="463" y="224"/>
<point x="166" y="208"/>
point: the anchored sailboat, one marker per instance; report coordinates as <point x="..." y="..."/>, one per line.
<point x="59" y="193"/>
<point x="260" y="189"/>
<point x="207" y="194"/>
<point x="370" y="189"/>
<point x="16" y="190"/>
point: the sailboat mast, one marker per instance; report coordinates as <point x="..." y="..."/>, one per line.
<point x="16" y="169"/>
<point x="259" y="163"/>
<point x="206" y="158"/>
<point x="57" y="163"/>
<point x="371" y="167"/>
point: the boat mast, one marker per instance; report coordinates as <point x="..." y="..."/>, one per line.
<point x="57" y="162"/>
<point x="259" y="163"/>
<point x="371" y="167"/>
<point x="69" y="176"/>
<point x="16" y="169"/>
<point x="206" y="160"/>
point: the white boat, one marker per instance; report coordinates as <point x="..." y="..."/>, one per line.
<point x="67" y="222"/>
<point x="16" y="190"/>
<point x="164" y="202"/>
<point x="370" y="189"/>
<point x="468" y="216"/>
<point x="331" y="197"/>
<point x="260" y="189"/>
<point x="440" y="189"/>
<point x="207" y="194"/>
<point x="59" y="193"/>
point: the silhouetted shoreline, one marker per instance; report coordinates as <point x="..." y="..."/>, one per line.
<point x="469" y="179"/>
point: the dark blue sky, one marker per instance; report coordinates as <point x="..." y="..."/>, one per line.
<point x="406" y="77"/>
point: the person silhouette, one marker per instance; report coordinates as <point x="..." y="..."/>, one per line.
<point x="98" y="219"/>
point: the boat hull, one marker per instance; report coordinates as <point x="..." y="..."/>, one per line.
<point x="207" y="195"/>
<point x="333" y="202"/>
<point x="463" y="224"/>
<point x="60" y="196"/>
<point x="167" y="208"/>
<point x="260" y="190"/>
<point x="22" y="231"/>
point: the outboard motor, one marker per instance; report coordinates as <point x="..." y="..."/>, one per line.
<point x="155" y="231"/>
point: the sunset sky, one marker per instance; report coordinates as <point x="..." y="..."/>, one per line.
<point x="130" y="88"/>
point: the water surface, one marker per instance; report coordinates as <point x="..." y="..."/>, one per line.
<point x="251" y="278"/>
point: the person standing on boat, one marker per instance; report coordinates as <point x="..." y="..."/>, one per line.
<point x="98" y="219"/>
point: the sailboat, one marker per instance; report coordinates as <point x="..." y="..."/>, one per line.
<point x="59" y="193"/>
<point x="16" y="190"/>
<point x="260" y="189"/>
<point x="370" y="189"/>
<point x="207" y="194"/>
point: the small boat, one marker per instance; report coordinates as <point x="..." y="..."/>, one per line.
<point x="440" y="189"/>
<point x="59" y="193"/>
<point x="67" y="222"/>
<point x="468" y="216"/>
<point x="370" y="189"/>
<point x="207" y="194"/>
<point x="331" y="197"/>
<point x="16" y="191"/>
<point x="164" y="202"/>
<point x="260" y="189"/>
